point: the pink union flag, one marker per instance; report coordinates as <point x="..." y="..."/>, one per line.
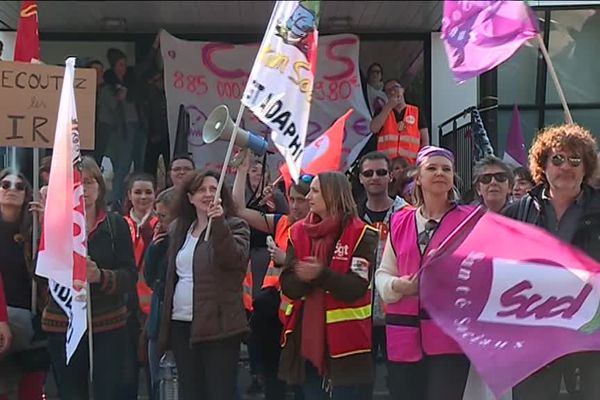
<point x="513" y="297"/>
<point x="480" y="35"/>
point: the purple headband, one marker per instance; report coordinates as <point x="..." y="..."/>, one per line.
<point x="433" y="151"/>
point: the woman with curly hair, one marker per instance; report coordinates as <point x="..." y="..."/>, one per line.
<point x="563" y="159"/>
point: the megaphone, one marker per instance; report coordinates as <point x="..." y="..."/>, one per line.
<point x="219" y="126"/>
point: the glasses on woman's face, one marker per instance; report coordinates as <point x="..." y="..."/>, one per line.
<point x="18" y="186"/>
<point x="559" y="159"/>
<point x="499" y="177"/>
<point x="379" y="172"/>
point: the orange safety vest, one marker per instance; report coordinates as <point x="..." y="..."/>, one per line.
<point x="247" y="288"/>
<point x="348" y="325"/>
<point x="273" y="271"/>
<point x="139" y="248"/>
<point x="401" y="139"/>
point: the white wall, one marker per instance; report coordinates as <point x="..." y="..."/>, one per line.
<point x="8" y="38"/>
<point x="447" y="98"/>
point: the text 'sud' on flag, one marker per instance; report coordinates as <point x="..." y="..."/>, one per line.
<point x="480" y="35"/>
<point x="280" y="86"/>
<point x="513" y="297"/>
<point x="63" y="244"/>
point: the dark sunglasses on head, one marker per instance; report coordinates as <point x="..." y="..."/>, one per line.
<point x="500" y="177"/>
<point x="369" y="172"/>
<point x="307" y="178"/>
<point x="18" y="186"/>
<point x="559" y="159"/>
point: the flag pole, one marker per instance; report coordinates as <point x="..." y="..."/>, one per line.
<point x="226" y="164"/>
<point x="88" y="299"/>
<point x="35" y="225"/>
<point x="561" y="95"/>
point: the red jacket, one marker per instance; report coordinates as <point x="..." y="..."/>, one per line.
<point x="3" y="310"/>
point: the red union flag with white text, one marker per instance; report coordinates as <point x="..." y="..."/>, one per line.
<point x="62" y="253"/>
<point x="280" y="86"/>
<point x="513" y="297"/>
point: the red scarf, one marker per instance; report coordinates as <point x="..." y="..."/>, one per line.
<point x="324" y="235"/>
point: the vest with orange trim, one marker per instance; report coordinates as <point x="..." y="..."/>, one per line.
<point x="273" y="271"/>
<point x="247" y="288"/>
<point x="401" y="139"/>
<point x="348" y="325"/>
<point x="139" y="249"/>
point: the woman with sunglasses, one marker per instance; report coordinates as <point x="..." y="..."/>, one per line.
<point x="24" y="381"/>
<point x="562" y="160"/>
<point x="111" y="273"/>
<point x="424" y="363"/>
<point x="493" y="180"/>
<point x="269" y="304"/>
<point x="327" y="274"/>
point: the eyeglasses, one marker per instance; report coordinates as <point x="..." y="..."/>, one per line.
<point x="18" y="186"/>
<point x="89" y="182"/>
<point x="559" y="159"/>
<point x="500" y="177"/>
<point x="379" y="172"/>
<point x="307" y="178"/>
<point x="425" y="236"/>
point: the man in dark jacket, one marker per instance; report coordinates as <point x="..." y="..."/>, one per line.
<point x="562" y="160"/>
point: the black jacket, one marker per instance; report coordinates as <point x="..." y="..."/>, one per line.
<point x="587" y="236"/>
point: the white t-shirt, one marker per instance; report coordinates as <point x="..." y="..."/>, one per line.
<point x="183" y="299"/>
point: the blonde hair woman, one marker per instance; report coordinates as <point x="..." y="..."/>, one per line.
<point x="423" y="362"/>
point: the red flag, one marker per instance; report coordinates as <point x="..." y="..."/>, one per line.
<point x="513" y="296"/>
<point x="27" y="46"/>
<point x="323" y="154"/>
<point x="63" y="245"/>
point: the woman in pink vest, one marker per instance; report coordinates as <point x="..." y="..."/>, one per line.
<point x="424" y="362"/>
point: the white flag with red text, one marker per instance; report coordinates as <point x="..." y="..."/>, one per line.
<point x="280" y="87"/>
<point x="63" y="244"/>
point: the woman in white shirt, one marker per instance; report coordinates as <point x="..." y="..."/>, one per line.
<point x="203" y="317"/>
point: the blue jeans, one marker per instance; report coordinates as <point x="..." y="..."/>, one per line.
<point x="314" y="388"/>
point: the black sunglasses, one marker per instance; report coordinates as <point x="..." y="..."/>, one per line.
<point x="18" y="186"/>
<point x="500" y="177"/>
<point x="559" y="159"/>
<point x="369" y="172"/>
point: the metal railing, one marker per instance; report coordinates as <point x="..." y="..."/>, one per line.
<point x="456" y="134"/>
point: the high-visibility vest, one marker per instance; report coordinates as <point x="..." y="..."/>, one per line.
<point x="348" y="325"/>
<point x="410" y="332"/>
<point x="273" y="271"/>
<point x="247" y="288"/>
<point x="401" y="140"/>
<point x="139" y="248"/>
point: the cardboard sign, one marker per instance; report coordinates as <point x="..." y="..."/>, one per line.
<point x="29" y="98"/>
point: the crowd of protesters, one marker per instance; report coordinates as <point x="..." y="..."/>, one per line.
<point x="320" y="279"/>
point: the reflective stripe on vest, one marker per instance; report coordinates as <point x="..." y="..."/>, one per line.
<point x="247" y="289"/>
<point x="348" y="314"/>
<point x="348" y="325"/>
<point x="401" y="143"/>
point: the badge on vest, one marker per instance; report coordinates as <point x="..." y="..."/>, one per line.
<point x="360" y="267"/>
<point x="341" y="251"/>
<point x="411" y="119"/>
